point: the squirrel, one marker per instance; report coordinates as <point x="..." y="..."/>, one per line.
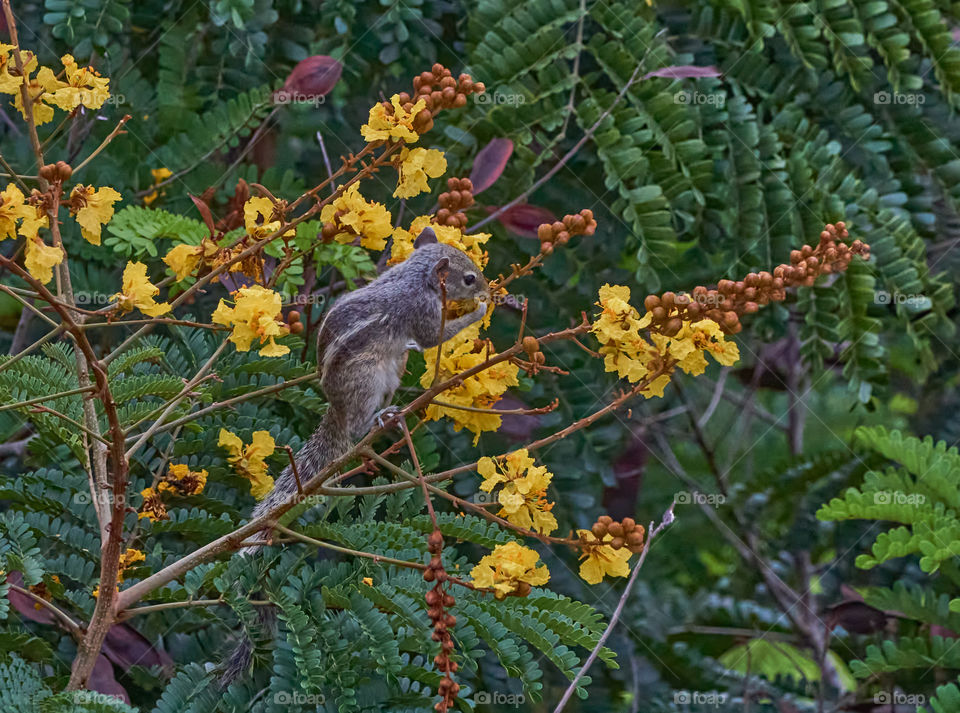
<point x="362" y="349"/>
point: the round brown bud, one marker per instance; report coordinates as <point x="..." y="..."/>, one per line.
<point x="432" y="597"/>
<point x="693" y="310"/>
<point x="466" y="185"/>
<point x="460" y="100"/>
<point x="479" y="87"/>
<point x="546" y="248"/>
<point x="530" y="345"/>
<point x="296" y="327"/>
<point x="545" y="232"/>
<point x="293" y="316"/>
<point x="730" y="319"/>
<point x="673" y="327"/>
<point x="557" y="227"/>
<point x="429" y="575"/>
<point x="448" y="82"/>
<point x="725" y="286"/>
<point x="635" y="538"/>
<point x="435" y="540"/>
<point x="667" y="300"/>
<point x="615" y="529"/>
<point x="563" y="237"/>
<point x="449" y="94"/>
<point x="651" y="302"/>
<point x="795" y="256"/>
<point x="605" y="519"/>
<point x="539" y="358"/>
<point x="659" y="314"/>
<point x="629" y="524"/>
<point x="617" y="543"/>
<point x="598" y="530"/>
<point x="750" y="307"/>
<point x="426" y="78"/>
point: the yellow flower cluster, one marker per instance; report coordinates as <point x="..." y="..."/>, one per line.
<point x="40" y="258"/>
<point x="398" y="126"/>
<point x="626" y="352"/>
<point x="415" y="167"/>
<point x="600" y="559"/>
<point x="354" y="215"/>
<point x="523" y="497"/>
<point x="472" y="245"/>
<point x="159" y="176"/>
<point x="84" y="85"/>
<point x="127" y="559"/>
<point x="250" y="461"/>
<point x="482" y="390"/>
<point x="138" y="292"/>
<point x="509" y="569"/>
<point x="260" y="220"/>
<point x="254" y="316"/>
<point x="180" y="480"/>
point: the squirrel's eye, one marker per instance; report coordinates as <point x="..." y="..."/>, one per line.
<point x="469" y="278"/>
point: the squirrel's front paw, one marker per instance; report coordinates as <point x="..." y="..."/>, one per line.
<point x="389" y="416"/>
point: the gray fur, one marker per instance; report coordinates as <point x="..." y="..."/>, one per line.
<point x="362" y="352"/>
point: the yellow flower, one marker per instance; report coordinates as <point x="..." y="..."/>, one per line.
<point x="41" y="259"/>
<point x="698" y="338"/>
<point x="93" y="208"/>
<point x="260" y="220"/>
<point x="254" y="316"/>
<point x="84" y="86"/>
<point x="139" y="292"/>
<point x="9" y="83"/>
<point x="128" y="559"/>
<point x="472" y="245"/>
<point x="523" y="496"/>
<point x="183" y="481"/>
<point x="415" y="166"/>
<point x="510" y="568"/>
<point x="152" y="507"/>
<point x="159" y="176"/>
<point x="35" y="217"/>
<point x="41" y="89"/>
<point x="600" y="559"/>
<point x="481" y="390"/>
<point x="354" y="215"/>
<point x="184" y="259"/>
<point x="398" y="126"/>
<point x="249" y="461"/>
<point x="12" y="209"/>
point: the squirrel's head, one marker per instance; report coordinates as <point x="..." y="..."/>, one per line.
<point x="462" y="279"/>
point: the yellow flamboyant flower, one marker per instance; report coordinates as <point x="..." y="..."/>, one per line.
<point x="138" y="292"/>
<point x="128" y="559"/>
<point x="93" y="208"/>
<point x="472" y="245"/>
<point x="41" y="258"/>
<point x="183" y="481"/>
<point x="259" y="219"/>
<point x="524" y="494"/>
<point x="624" y="350"/>
<point x="41" y="90"/>
<point x="695" y="339"/>
<point x="159" y="176"/>
<point x="415" y="166"/>
<point x="354" y="215"/>
<point x="249" y="461"/>
<point x="254" y="316"/>
<point x="12" y="209"/>
<point x="152" y="507"/>
<point x="510" y="568"/>
<point x="35" y="217"/>
<point x="601" y="559"/>
<point x="84" y="86"/>
<point x="184" y="259"/>
<point x="482" y="390"/>
<point x="10" y="83"/>
<point x="397" y="126"/>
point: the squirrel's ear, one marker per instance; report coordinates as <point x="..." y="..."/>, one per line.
<point x="440" y="268"/>
<point x="426" y="237"/>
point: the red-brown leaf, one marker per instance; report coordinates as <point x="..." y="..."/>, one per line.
<point x="314" y="76"/>
<point x="204" y="212"/>
<point x="489" y="164"/>
<point x="524" y="219"/>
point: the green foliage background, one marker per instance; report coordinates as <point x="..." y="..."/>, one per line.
<point x="825" y="111"/>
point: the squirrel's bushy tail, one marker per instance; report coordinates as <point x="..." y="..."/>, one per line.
<point x="328" y="442"/>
